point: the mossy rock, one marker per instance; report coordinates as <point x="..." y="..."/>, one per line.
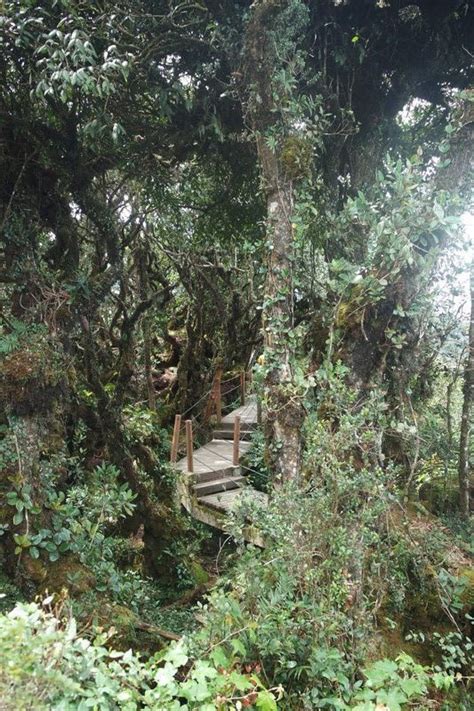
<point x="124" y="626"/>
<point x="69" y="574"/>
<point x="123" y="621"/>
<point x="118" y="619"/>
<point x="389" y="641"/>
<point x="197" y="572"/>
<point x="34" y="570"/>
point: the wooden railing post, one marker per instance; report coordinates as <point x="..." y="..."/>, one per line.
<point x="235" y="454"/>
<point x="242" y="387"/>
<point x="175" y="440"/>
<point x="189" y="445"/>
<point x="217" y="395"/>
<point x="259" y="411"/>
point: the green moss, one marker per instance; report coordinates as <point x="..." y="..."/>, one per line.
<point x="197" y="572"/>
<point x="341" y="315"/>
<point x="68" y="574"/>
<point x="34" y="570"/>
<point x="466" y="578"/>
<point x="389" y="641"/>
<point x="296" y="157"/>
<point x="123" y="622"/>
<point x="34" y="370"/>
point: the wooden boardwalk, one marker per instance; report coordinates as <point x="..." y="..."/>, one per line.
<point x="215" y="486"/>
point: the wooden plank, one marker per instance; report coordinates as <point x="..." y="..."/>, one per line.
<point x="235" y="452"/>
<point x="247" y="413"/>
<point x="214" y="456"/>
<point x="222" y="501"/>
<point x="226" y="500"/>
<point x="189" y="445"/>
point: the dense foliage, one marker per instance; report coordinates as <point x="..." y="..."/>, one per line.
<point x="279" y="187"/>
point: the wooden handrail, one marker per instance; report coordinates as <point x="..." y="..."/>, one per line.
<point x="216" y="400"/>
<point x="235" y="452"/>
<point x="189" y="445"/>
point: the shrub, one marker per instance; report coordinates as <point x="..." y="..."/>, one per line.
<point x="46" y="664"/>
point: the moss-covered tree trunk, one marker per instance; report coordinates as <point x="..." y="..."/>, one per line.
<point x="270" y="42"/>
<point x="146" y="330"/>
<point x="284" y="414"/>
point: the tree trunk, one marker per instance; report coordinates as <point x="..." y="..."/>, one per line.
<point x="464" y="466"/>
<point x="284" y="415"/>
<point x="146" y="330"/>
<point x="262" y="59"/>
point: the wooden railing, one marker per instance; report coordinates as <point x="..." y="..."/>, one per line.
<point x="214" y="406"/>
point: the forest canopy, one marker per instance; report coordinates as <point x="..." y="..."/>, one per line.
<point x="236" y="354"/>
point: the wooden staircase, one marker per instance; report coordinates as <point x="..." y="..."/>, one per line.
<point x="216" y="483"/>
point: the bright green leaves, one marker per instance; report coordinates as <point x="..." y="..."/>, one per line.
<point x="85" y="675"/>
<point x="70" y="65"/>
<point x="392" y="684"/>
<point x="76" y="521"/>
<point x="380" y="672"/>
<point x="266" y="701"/>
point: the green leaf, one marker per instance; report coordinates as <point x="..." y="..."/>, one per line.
<point x="266" y="701"/>
<point x="18" y="518"/>
<point x="412" y="686"/>
<point x="165" y="675"/>
<point x="393" y="698"/>
<point x="238" y="647"/>
<point x="379" y="672"/>
<point x="176" y="655"/>
<point x="219" y="658"/>
<point x="438" y="211"/>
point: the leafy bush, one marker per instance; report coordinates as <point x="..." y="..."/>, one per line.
<point x="397" y="684"/>
<point x="48" y="665"/>
<point x="306" y="608"/>
<point x="253" y="463"/>
<point x="76" y="521"/>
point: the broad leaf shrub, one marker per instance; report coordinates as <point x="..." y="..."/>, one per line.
<point x="297" y="613"/>
<point x="257" y="472"/>
<point x="343" y="568"/>
<point x="46" y="664"/>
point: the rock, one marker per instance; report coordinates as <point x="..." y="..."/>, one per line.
<point x="69" y="574"/>
<point x="197" y="572"/>
<point x="34" y="570"/>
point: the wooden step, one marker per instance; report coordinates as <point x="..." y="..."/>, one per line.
<point x="228" y="425"/>
<point x="229" y="434"/>
<point x="216" y="485"/>
<point x="199" y="477"/>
